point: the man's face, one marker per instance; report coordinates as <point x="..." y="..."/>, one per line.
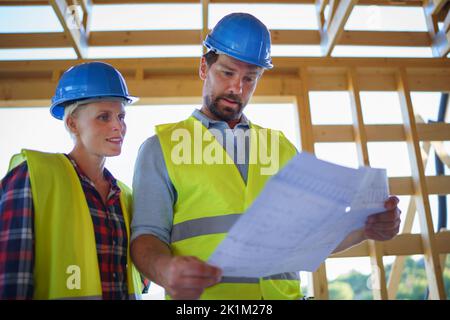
<point x="228" y="86"/>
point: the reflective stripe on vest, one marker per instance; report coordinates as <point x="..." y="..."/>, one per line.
<point x="66" y="262"/>
<point x="210" y="198"/>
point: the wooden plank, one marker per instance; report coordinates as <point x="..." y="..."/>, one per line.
<point x="318" y="280"/>
<point x="378" y="277"/>
<point x="304" y="113"/>
<point x="86" y="5"/>
<point x="441" y="44"/>
<point x="403" y="244"/>
<point x="205" y="19"/>
<point x="383" y="132"/>
<point x="441" y="152"/>
<point x="320" y="12"/>
<point x="432" y="264"/>
<point x="330" y="35"/>
<point x="359" y="130"/>
<point x="434" y="6"/>
<point x="384" y="38"/>
<point x="145" y="38"/>
<point x="318" y="283"/>
<point x="194" y="37"/>
<point x="34" y="40"/>
<point x="443" y="241"/>
<point x="323" y="74"/>
<point x="74" y="30"/>
<point x="153" y="87"/>
<point x="284" y="85"/>
<point x="416" y="66"/>
<point x="440" y="38"/>
<point x="332" y="7"/>
<point x="446" y="26"/>
<point x="438" y="184"/>
<point x="405" y="185"/>
<point x="398" y="264"/>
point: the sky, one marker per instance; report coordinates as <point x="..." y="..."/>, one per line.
<point x="40" y="131"/>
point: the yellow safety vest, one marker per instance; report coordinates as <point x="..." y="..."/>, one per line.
<point x="66" y="262"/>
<point x="211" y="197"/>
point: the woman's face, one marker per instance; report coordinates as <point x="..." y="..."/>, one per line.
<point x="99" y="127"/>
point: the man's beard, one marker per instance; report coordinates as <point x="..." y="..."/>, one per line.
<point x="232" y="114"/>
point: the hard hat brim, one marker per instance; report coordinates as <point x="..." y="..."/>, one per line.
<point x="217" y="47"/>
<point x="57" y="108"/>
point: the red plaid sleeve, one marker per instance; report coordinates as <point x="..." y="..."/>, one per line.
<point x="16" y="235"/>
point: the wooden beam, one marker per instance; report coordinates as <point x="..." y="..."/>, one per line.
<point x="34" y="40"/>
<point x="402" y="244"/>
<point x="320" y="12"/>
<point x="205" y="20"/>
<point x="405" y="185"/>
<point x="304" y="112"/>
<point x="441" y="152"/>
<point x="441" y="44"/>
<point x="315" y="65"/>
<point x="22" y="84"/>
<point x="72" y="27"/>
<point x="397" y="265"/>
<point x="359" y="130"/>
<point x="331" y="34"/>
<point x="194" y="37"/>
<point x="440" y="38"/>
<point x="145" y="38"/>
<point x="19" y="80"/>
<point x="432" y="264"/>
<point x="446" y="26"/>
<point x="318" y="283"/>
<point x="272" y="84"/>
<point x="86" y="5"/>
<point x="332" y="7"/>
<point x="385" y="38"/>
<point x="381" y="132"/>
<point x="434" y="6"/>
<point x="378" y="277"/>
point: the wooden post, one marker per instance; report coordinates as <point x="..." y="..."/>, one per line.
<point x="205" y="20"/>
<point x="431" y="254"/>
<point x="318" y="282"/>
<point x="375" y="248"/>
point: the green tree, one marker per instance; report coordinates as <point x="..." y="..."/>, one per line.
<point x="413" y="282"/>
<point x="339" y="290"/>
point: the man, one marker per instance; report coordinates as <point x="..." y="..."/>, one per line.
<point x="185" y="202"/>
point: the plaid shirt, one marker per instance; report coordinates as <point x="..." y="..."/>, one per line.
<point x="17" y="235"/>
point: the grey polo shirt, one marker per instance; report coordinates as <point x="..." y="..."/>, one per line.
<point x="154" y="194"/>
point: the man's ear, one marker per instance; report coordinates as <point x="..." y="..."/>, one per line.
<point x="203" y="69"/>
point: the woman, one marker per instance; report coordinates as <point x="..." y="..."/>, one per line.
<point x="64" y="219"/>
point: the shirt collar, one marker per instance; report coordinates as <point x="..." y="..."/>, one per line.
<point x="207" y="122"/>
<point x="109" y="177"/>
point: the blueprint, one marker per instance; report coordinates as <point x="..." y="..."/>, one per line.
<point x="300" y="217"/>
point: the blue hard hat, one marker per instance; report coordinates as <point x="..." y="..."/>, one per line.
<point x="89" y="81"/>
<point x="243" y="37"/>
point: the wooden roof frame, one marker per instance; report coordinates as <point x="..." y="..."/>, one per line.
<point x="331" y="28"/>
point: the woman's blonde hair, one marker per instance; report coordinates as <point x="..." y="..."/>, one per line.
<point x="69" y="111"/>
